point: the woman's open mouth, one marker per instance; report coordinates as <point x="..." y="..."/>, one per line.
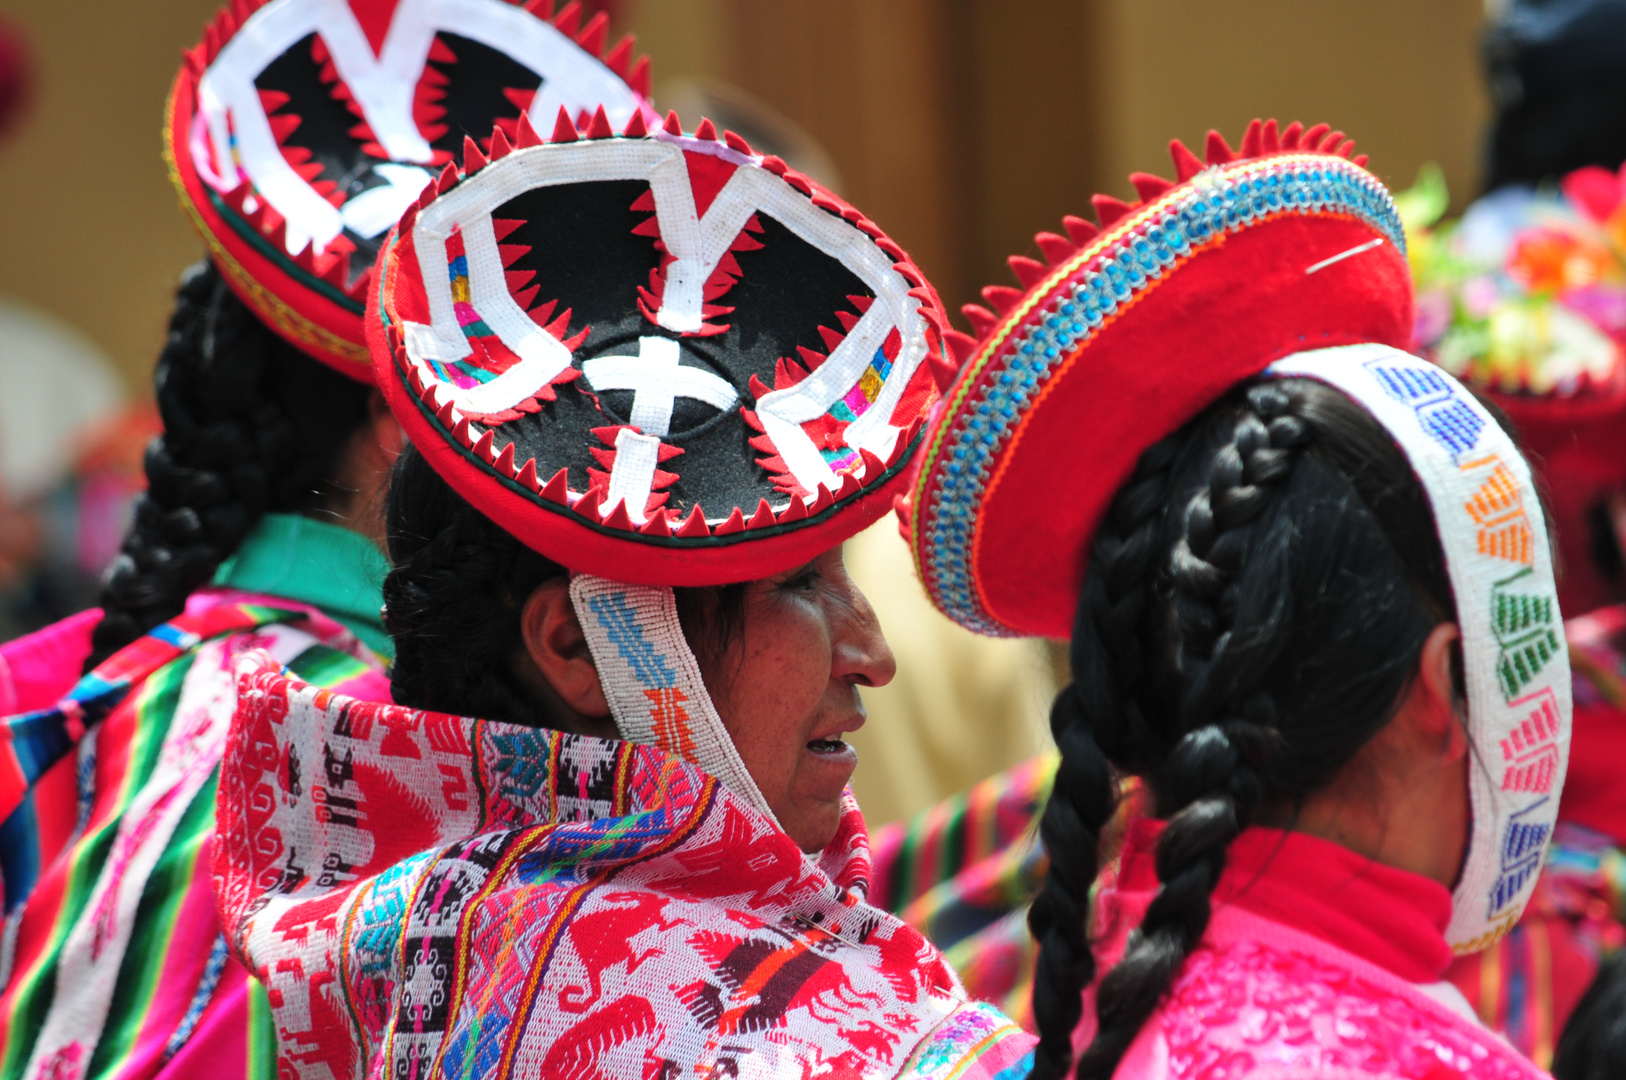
<point x="828" y="746"/>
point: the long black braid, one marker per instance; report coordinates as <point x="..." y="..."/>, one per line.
<point x="251" y="426"/>
<point x="454" y="597"/>
<point x="1255" y="602"/>
<point x="1107" y="669"/>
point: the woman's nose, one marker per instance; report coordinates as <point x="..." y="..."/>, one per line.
<point x="862" y="655"/>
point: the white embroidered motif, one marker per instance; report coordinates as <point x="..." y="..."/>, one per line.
<point x="697" y="244"/>
<point x="239" y="135"/>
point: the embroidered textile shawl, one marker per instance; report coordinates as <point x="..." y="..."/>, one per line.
<point x="427" y="895"/>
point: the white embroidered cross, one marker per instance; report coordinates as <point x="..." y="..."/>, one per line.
<point x="656" y="380"/>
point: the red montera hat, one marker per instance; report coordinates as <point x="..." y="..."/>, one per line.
<point x="299" y="130"/>
<point x="1283" y="247"/>
<point x="656" y="358"/>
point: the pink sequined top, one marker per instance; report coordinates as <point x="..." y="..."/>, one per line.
<point x="1317" y="963"/>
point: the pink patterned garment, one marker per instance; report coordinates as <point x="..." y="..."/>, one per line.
<point x="1317" y="964"/>
<point x="39" y="668"/>
<point x="433" y="896"/>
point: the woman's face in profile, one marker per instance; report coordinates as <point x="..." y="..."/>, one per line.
<point x="786" y="688"/>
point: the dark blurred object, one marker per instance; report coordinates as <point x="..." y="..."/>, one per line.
<point x="1593" y="1046"/>
<point x="1557" y="74"/>
<point x="16" y="76"/>
<point x="56" y="543"/>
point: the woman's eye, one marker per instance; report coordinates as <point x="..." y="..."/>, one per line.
<point x="803" y="582"/>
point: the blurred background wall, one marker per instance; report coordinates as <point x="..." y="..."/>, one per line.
<point x="963" y="126"/>
<point x="89" y="224"/>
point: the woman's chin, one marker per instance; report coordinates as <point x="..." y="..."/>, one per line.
<point x="815" y="811"/>
<point x="815" y="826"/>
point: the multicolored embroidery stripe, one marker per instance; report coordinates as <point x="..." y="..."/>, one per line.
<point x="457" y="269"/>
<point x="858" y="400"/>
<point x="1012" y="369"/>
<point x="975" y="1043"/>
<point x="461" y="373"/>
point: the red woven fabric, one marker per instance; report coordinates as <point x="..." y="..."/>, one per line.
<point x="1393" y="918"/>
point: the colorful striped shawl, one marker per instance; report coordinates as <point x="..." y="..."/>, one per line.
<point x="434" y="896"/>
<point x="116" y="963"/>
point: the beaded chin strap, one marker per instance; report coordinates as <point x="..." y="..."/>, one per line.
<point x="1495" y="544"/>
<point x="652" y="680"/>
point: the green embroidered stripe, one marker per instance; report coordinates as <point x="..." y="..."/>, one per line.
<point x="154" y="704"/>
<point x="322" y="666"/>
<point x="262" y="1042"/>
<point x="154" y="928"/>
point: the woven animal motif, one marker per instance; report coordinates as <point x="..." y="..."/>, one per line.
<point x="299" y="131"/>
<point x="426" y="895"/>
<point x="662" y="338"/>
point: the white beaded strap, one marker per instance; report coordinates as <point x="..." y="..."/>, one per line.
<point x="1496" y="554"/>
<point x="652" y="680"/>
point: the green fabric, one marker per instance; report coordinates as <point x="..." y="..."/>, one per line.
<point x="156" y="921"/>
<point x="326" y="566"/>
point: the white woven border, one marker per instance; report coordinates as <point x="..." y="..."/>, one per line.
<point x="1495" y="544"/>
<point x="652" y="680"/>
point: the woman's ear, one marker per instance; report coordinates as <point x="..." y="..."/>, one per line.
<point x="1444" y="707"/>
<point x="386" y="429"/>
<point x="555" y="643"/>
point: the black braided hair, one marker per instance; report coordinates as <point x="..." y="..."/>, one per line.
<point x="455" y="594"/>
<point x="1593" y="1043"/>
<point x="1256" y="599"/>
<point x="453" y="598"/>
<point x="252" y="426"/>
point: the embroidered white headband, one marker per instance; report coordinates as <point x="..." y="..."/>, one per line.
<point x="1496" y="554"/>
<point x="652" y="680"/>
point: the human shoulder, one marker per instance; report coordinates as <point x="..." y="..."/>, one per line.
<point x="1275" y="1010"/>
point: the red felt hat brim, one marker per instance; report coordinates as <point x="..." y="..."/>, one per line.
<point x="310" y="313"/>
<point x="1206" y="325"/>
<point x="564" y="536"/>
